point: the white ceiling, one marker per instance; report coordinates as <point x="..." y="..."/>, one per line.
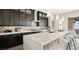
<point x="57" y="11"/>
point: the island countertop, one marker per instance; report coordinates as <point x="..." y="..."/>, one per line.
<point x="45" y="37"/>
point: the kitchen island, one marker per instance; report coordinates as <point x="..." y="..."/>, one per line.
<point x="41" y="41"/>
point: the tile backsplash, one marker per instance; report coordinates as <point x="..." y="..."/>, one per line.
<point x="23" y="28"/>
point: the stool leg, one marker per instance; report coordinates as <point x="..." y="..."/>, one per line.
<point x="69" y="46"/>
<point x="75" y="40"/>
<point x="74" y="44"/>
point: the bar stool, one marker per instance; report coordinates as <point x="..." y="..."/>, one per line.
<point x="64" y="43"/>
<point x="72" y="36"/>
<point x="72" y="43"/>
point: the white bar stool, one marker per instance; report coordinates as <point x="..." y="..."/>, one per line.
<point x="64" y="43"/>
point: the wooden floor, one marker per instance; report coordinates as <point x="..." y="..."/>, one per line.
<point x="19" y="47"/>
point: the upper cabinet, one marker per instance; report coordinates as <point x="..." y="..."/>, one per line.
<point x="26" y="16"/>
<point x="22" y="19"/>
<point x="6" y="18"/>
<point x="30" y="14"/>
<point x="16" y="17"/>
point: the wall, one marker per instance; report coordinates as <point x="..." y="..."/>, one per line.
<point x="51" y="21"/>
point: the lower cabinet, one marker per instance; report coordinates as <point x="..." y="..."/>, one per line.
<point x="4" y="42"/>
<point x="9" y="41"/>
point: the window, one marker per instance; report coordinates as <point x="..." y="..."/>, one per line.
<point x="77" y="24"/>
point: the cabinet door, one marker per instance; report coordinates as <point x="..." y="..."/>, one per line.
<point x="14" y="18"/>
<point x="0" y="17"/>
<point x="4" y="42"/>
<point x="18" y="39"/>
<point x="6" y="17"/>
<point x="22" y="19"/>
<point x="28" y="20"/>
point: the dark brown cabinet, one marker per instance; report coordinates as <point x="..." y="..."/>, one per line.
<point x="5" y="17"/>
<point x="22" y="19"/>
<point x="9" y="41"/>
<point x="14" y="17"/>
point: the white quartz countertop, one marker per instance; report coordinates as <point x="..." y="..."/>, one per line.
<point x="17" y="32"/>
<point x="45" y="37"/>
